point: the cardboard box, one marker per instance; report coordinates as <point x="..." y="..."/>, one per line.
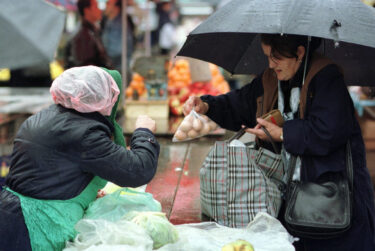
<point x="153" y="108"/>
<point x="162" y="126"/>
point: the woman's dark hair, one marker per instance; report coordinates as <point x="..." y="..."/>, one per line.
<point x="83" y="4"/>
<point x="286" y="45"/>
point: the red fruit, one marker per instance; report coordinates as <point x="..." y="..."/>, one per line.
<point x="173" y="90"/>
<point x="176" y="110"/>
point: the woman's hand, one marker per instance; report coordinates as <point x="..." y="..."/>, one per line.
<point x="196" y="103"/>
<point x="274" y="130"/>
<point x="144" y="121"/>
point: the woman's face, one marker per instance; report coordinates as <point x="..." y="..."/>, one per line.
<point x="285" y="68"/>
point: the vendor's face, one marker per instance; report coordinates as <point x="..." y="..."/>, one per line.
<point x="285" y="68"/>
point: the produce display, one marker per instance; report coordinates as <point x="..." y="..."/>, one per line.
<point x="238" y="245"/>
<point x="137" y="87"/>
<point x="193" y="126"/>
<point x="180" y="86"/>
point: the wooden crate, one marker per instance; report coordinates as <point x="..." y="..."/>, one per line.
<point x="153" y="108"/>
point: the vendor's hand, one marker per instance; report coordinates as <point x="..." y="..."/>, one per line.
<point x="274" y="130"/>
<point x="100" y="194"/>
<point x="144" y="121"/>
<point x="196" y="103"/>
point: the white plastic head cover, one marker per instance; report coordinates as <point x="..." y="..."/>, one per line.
<point x="85" y="89"/>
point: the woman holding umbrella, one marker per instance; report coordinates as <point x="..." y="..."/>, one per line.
<point x="320" y="120"/>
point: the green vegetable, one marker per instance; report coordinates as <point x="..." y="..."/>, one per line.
<point x="156" y="225"/>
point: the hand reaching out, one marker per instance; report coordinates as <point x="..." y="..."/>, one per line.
<point x="144" y="121"/>
<point x="196" y="103"/>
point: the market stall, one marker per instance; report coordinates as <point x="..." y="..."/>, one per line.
<point x="159" y="88"/>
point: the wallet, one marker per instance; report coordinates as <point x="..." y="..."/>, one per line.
<point x="274" y="117"/>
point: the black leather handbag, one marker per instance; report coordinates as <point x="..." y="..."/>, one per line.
<point x="320" y="210"/>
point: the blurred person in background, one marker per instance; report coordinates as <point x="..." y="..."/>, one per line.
<point x="86" y="47"/>
<point x="112" y="33"/>
<point x="64" y="154"/>
<point x="167" y="29"/>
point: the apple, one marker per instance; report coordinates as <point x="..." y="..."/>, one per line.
<point x="239" y="245"/>
<point x="184" y="94"/>
<point x="173" y="90"/>
<point x="176" y="110"/>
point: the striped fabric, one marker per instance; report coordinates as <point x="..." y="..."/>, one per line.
<point x="238" y="182"/>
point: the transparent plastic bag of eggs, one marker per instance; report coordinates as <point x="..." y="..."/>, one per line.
<point x="194" y="125"/>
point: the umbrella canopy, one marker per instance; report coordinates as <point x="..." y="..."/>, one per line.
<point x="228" y="37"/>
<point x="30" y="31"/>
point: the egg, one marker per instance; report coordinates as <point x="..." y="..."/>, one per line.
<point x="185" y="126"/>
<point x="189" y="118"/>
<point x="197" y="124"/>
<point x="192" y="134"/>
<point x="205" y="118"/>
<point x="206" y="129"/>
<point x="180" y="135"/>
<point x="213" y="125"/>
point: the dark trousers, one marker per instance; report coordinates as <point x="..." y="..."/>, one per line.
<point x="14" y="235"/>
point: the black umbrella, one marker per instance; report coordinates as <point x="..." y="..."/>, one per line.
<point x="228" y="38"/>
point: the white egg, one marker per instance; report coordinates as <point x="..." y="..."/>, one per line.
<point x="192" y="134"/>
<point x="205" y="118"/>
<point x="213" y="125"/>
<point x="189" y="118"/>
<point x="206" y="129"/>
<point x="185" y="126"/>
<point x="180" y="135"/>
<point x="197" y="124"/>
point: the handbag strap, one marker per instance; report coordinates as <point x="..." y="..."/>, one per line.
<point x="275" y="148"/>
<point x="242" y="131"/>
<point x="238" y="134"/>
<point x="349" y="167"/>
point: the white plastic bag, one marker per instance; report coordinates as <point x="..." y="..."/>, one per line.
<point x="265" y="233"/>
<point x="93" y="234"/>
<point x="114" y="206"/>
<point x="193" y="126"/>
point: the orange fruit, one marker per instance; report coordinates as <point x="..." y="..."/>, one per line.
<point x="129" y="92"/>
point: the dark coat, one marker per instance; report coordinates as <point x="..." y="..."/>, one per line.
<point x="56" y="154"/>
<point x="58" y="151"/>
<point x="320" y="139"/>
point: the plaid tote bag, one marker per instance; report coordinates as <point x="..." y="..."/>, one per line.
<point x="237" y="182"/>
